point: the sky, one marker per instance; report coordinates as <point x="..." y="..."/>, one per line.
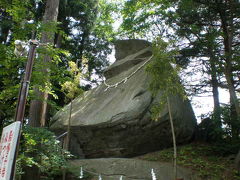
<point x="204" y="105"/>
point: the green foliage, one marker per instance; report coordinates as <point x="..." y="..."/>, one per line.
<point x="228" y="120"/>
<point x="11" y="70"/>
<point x="222" y="136"/>
<point x="71" y="88"/>
<point x="17" y="14"/>
<point x="89" y="29"/>
<point x="206" y="162"/>
<point x="40" y="148"/>
<point x="164" y="74"/>
<point x="146" y="19"/>
<point x="226" y="147"/>
<point x="14" y="25"/>
<point x="107" y="12"/>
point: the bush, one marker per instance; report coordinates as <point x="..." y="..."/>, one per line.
<point x="39" y="148"/>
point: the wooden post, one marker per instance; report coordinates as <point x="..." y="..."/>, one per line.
<point x="67" y="140"/>
<point x="22" y="97"/>
<point x="19" y="116"/>
<point x="174" y="140"/>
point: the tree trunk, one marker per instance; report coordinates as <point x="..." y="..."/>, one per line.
<point x="35" y="110"/>
<point x="228" y="29"/>
<point x="31" y="173"/>
<point x="38" y="106"/>
<point x="214" y="82"/>
<point x="215" y="92"/>
<point x="232" y="91"/>
<point x="233" y="121"/>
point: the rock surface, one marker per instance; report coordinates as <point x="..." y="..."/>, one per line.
<point x="116" y="122"/>
<point x="130" y="169"/>
<point x="128" y="47"/>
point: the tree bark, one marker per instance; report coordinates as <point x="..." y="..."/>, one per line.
<point x="215" y="92"/>
<point x="233" y="121"/>
<point x="31" y="173"/>
<point x="38" y="106"/>
<point x="214" y="82"/>
<point x="228" y="29"/>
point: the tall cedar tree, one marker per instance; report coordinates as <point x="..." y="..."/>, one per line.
<point x="38" y="107"/>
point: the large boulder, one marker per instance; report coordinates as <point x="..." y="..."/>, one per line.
<point x="116" y="121"/>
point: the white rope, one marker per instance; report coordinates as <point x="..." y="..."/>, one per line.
<point x="124" y="80"/>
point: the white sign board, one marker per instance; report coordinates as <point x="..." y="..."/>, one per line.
<point x="8" y="144"/>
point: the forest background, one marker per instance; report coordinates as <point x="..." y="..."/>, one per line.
<point x="77" y="38"/>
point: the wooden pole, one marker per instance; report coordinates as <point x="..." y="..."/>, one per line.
<point x="22" y="97"/>
<point x="174" y="141"/>
<point x="66" y="143"/>
<point x="19" y="116"/>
